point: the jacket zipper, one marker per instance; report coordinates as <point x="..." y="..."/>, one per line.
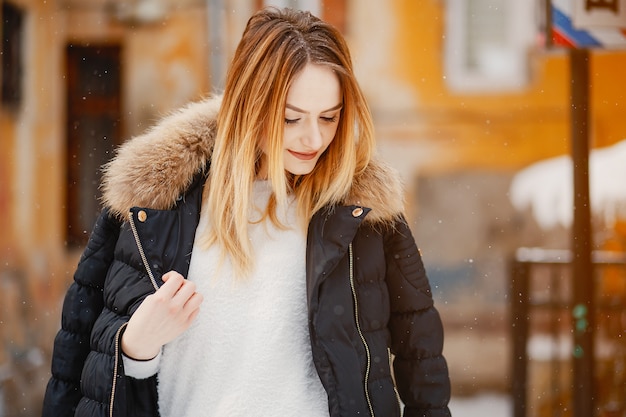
<point x="115" y="366"/>
<point x="395" y="389"/>
<point x="141" y="252"/>
<point x="358" y="328"/>
<point x="119" y="331"/>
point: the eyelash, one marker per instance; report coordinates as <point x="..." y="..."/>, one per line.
<point x="325" y="119"/>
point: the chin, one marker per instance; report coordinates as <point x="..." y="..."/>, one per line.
<point x="300" y="170"/>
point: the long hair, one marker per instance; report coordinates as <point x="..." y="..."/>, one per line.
<point x="276" y="45"/>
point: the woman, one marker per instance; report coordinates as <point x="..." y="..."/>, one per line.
<point x="252" y="258"/>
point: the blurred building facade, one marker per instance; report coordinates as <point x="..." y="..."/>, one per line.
<point x="462" y="93"/>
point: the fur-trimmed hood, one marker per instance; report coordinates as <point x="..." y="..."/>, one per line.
<point x="153" y="169"/>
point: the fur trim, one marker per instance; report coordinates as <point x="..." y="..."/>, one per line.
<point x="153" y="169"/>
<point x="379" y="188"/>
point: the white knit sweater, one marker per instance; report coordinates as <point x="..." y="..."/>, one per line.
<point x="248" y="352"/>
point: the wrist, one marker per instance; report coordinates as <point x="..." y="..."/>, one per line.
<point x="141" y="369"/>
<point x="138" y="350"/>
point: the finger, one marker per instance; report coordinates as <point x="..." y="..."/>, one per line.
<point x="193" y="307"/>
<point x="170" y="274"/>
<point x="194" y="302"/>
<point x="173" y="281"/>
<point x="185" y="292"/>
<point x="193" y="316"/>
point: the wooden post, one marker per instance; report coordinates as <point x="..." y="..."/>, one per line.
<point x="583" y="387"/>
<point x="520" y="319"/>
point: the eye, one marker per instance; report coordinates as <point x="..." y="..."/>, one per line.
<point x="291" y="121"/>
<point x="329" y="119"/>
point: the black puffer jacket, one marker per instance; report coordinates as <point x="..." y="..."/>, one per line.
<point x="368" y="295"/>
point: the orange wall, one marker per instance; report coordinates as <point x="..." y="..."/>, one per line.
<point x="500" y="131"/>
<point x="608" y="92"/>
<point x="6" y="151"/>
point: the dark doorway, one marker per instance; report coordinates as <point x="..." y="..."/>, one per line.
<point x="11" y="56"/>
<point x="93" y="130"/>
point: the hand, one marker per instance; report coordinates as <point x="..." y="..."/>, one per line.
<point x="161" y="317"/>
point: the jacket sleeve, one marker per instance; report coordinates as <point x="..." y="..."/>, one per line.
<point x="81" y="307"/>
<point x="416" y="329"/>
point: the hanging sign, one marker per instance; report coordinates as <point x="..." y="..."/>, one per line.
<point x="589" y="23"/>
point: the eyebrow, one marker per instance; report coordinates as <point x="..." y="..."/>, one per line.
<point x="299" y="110"/>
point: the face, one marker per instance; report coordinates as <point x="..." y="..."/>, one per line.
<point x="312" y="115"/>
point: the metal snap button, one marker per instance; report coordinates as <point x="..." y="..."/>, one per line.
<point x="357" y="212"/>
<point x="142" y="216"/>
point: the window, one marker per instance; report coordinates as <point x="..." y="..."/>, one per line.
<point x="12" y="23"/>
<point x="93" y="130"/>
<point x="332" y="11"/>
<point x="314" y="6"/>
<point x="486" y="44"/>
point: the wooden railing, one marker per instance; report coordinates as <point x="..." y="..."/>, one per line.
<point x="543" y="318"/>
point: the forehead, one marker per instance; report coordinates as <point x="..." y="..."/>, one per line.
<point x="315" y="88"/>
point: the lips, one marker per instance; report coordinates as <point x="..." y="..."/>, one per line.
<point x="303" y="156"/>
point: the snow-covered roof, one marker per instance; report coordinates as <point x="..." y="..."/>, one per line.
<point x="546" y="187"/>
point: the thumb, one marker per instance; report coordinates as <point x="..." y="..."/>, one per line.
<point x="168" y="275"/>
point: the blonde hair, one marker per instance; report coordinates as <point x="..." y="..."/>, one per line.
<point x="276" y="45"/>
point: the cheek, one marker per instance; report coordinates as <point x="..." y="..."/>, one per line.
<point x="329" y="134"/>
<point x="288" y="136"/>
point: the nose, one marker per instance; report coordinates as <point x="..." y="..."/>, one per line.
<point x="312" y="137"/>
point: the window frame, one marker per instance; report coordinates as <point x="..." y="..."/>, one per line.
<point x="521" y="30"/>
